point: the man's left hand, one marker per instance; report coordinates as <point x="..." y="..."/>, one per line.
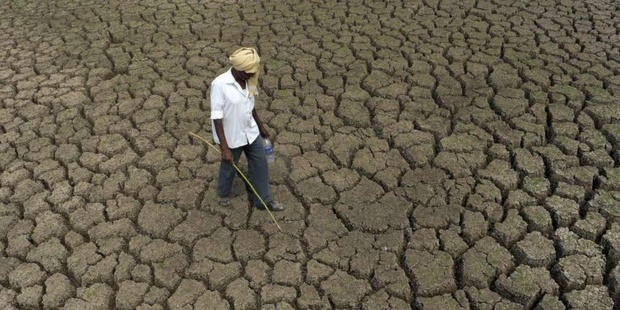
<point x="265" y="134"/>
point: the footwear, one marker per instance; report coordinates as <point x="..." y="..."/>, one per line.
<point x="273" y="206"/>
<point x="224" y="201"/>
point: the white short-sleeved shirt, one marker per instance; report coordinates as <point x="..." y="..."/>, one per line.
<point x="234" y="106"/>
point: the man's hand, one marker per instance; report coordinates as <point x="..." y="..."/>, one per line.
<point x="227" y="155"/>
<point x="261" y="127"/>
<point x="265" y="134"/>
<point x="224" y="149"/>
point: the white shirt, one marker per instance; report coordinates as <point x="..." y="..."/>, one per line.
<point x="234" y="106"/>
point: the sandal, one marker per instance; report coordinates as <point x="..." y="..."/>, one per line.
<point x="273" y="206"/>
<point x="224" y="201"/>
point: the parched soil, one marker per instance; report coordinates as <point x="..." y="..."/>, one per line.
<point x="432" y="154"/>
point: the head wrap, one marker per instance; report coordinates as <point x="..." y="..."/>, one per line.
<point x="246" y="59"/>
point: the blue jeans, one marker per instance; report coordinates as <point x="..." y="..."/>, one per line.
<point x="258" y="172"/>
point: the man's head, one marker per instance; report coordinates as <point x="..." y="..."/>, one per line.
<point x="247" y="63"/>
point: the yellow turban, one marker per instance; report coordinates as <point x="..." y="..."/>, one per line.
<point x="246" y="59"/>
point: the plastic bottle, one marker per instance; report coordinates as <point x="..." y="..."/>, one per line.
<point x="269" y="151"/>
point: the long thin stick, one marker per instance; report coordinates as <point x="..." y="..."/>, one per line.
<point x="244" y="178"/>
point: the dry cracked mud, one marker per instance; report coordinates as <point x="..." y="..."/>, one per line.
<point x="433" y="154"/>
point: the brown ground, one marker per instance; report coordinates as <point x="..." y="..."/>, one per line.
<point x="433" y="155"/>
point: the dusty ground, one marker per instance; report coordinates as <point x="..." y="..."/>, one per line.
<point x="433" y="155"/>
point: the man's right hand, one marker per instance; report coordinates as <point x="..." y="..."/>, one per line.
<point x="227" y="155"/>
<point x="224" y="149"/>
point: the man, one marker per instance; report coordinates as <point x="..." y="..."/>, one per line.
<point x="237" y="127"/>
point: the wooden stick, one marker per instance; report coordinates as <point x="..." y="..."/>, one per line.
<point x="244" y="178"/>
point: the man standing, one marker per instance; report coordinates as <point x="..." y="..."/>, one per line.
<point x="237" y="127"/>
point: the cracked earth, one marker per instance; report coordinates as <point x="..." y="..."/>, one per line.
<point x="433" y="154"/>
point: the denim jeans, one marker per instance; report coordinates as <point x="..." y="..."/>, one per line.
<point x="258" y="172"/>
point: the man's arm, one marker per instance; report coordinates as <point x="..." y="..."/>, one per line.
<point x="219" y="130"/>
<point x="261" y="127"/>
<point x="217" y="114"/>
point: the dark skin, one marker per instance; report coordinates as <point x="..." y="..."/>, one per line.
<point x="240" y="77"/>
